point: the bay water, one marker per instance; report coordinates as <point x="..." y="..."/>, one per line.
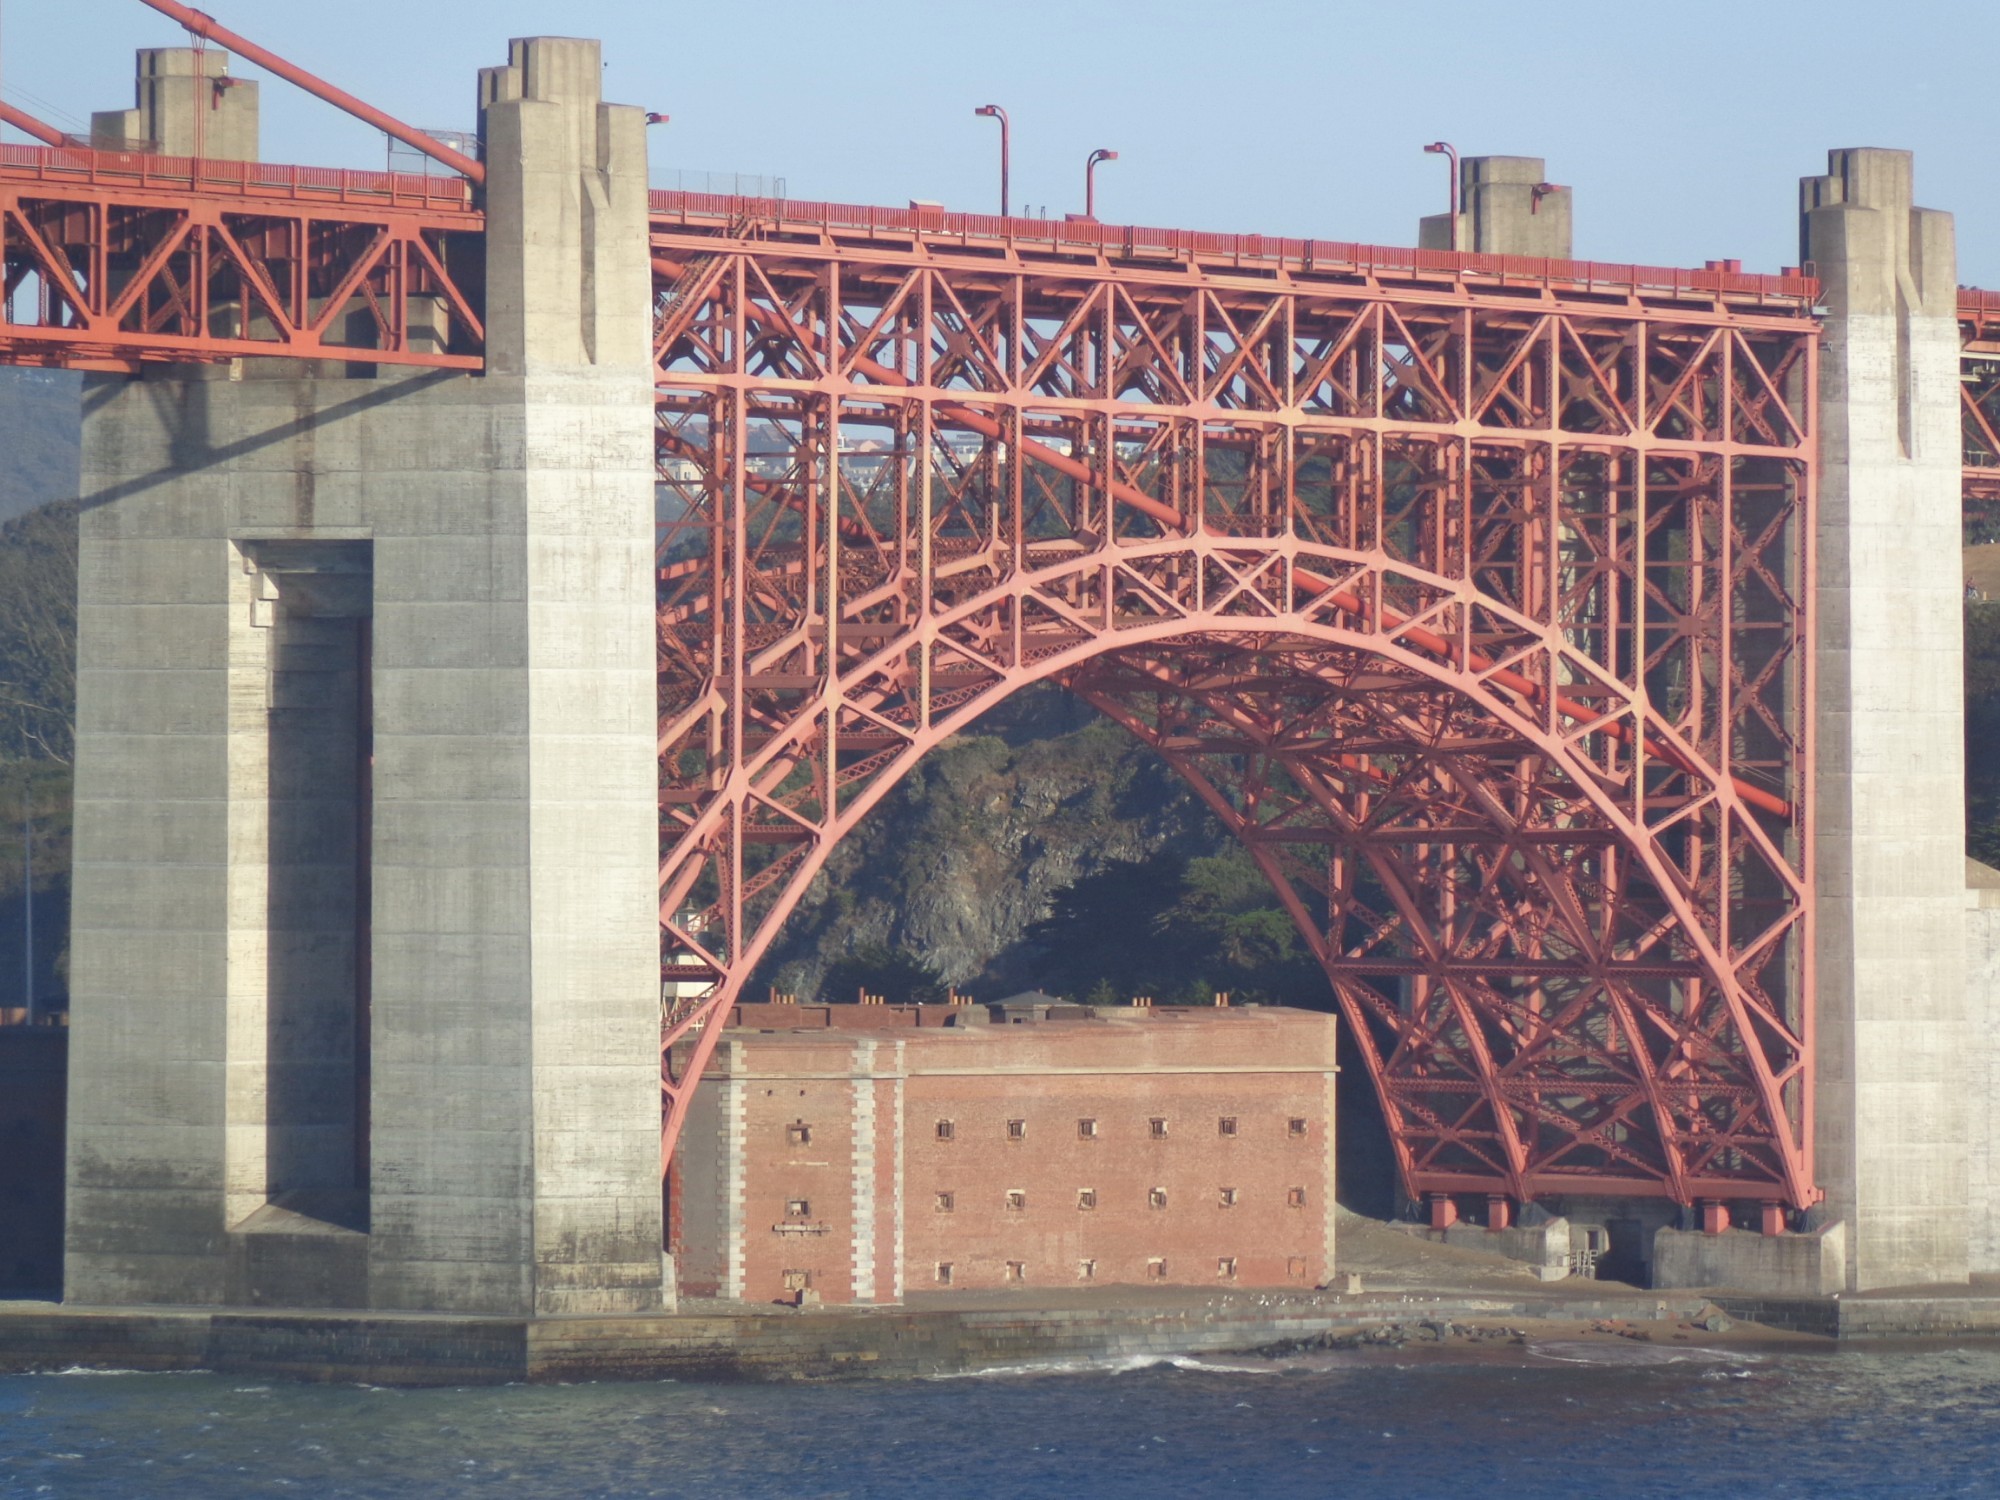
<point x="1555" y="1420"/>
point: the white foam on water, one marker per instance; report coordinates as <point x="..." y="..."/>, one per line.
<point x="1120" y="1364"/>
<point x="90" y="1370"/>
<point x="1629" y="1352"/>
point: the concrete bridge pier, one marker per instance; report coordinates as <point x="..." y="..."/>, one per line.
<point x="1894" y="1044"/>
<point x="365" y="966"/>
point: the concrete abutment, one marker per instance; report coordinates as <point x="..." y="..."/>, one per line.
<point x="366" y="964"/>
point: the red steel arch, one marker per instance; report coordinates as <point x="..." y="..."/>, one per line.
<point x="1474" y="600"/>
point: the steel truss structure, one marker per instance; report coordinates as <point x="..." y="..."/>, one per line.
<point x="1471" y="592"/>
<point x="1478" y="608"/>
<point x="109" y="260"/>
<point x="1979" y="394"/>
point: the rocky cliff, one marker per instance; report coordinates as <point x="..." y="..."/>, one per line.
<point x="965" y="856"/>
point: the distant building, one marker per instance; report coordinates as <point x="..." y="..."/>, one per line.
<point x="864" y="1153"/>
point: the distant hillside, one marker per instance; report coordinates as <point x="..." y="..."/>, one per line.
<point x="37" y="741"/>
<point x="41" y="418"/>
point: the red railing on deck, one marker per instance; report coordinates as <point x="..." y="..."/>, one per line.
<point x="135" y="170"/>
<point x="1267" y="251"/>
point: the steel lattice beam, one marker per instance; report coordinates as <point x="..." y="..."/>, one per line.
<point x="1480" y="616"/>
<point x="1471" y="590"/>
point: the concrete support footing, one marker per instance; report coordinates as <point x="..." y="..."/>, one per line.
<point x="1813" y="1264"/>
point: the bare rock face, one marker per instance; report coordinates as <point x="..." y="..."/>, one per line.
<point x="961" y="858"/>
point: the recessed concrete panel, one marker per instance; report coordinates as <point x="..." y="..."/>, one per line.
<point x="511" y="999"/>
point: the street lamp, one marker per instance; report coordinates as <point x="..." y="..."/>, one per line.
<point x="1090" y="180"/>
<point x="654" y="117"/>
<point x="1445" y="148"/>
<point x="995" y="112"/>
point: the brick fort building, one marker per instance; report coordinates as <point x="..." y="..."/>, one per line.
<point x="863" y="1153"/>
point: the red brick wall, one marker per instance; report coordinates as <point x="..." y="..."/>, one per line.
<point x="1262" y="1069"/>
<point x="1176" y="1075"/>
<point x="806" y="1082"/>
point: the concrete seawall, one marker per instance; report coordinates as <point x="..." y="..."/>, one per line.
<point x="417" y="1349"/>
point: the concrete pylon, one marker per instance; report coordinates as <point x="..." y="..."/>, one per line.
<point x="365" y="961"/>
<point x="186" y="105"/>
<point x="1892" y="1117"/>
<point x="1506" y="207"/>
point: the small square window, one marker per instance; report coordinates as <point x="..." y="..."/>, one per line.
<point x="1295" y="1267"/>
<point x="1157" y="1198"/>
<point x="1157" y="1128"/>
<point x="1086" y="1130"/>
<point x="797" y="1208"/>
<point x="1016" y="1199"/>
<point x="798" y="1133"/>
<point x="944" y="1273"/>
<point x="1225" y="1197"/>
<point x="1017" y="1130"/>
<point x="797" y="1281"/>
<point x="1086" y="1197"/>
<point x="1296" y="1127"/>
<point x="1017" y="1270"/>
<point x="944" y="1130"/>
<point x="945" y="1203"/>
<point x="1226" y="1125"/>
<point x="1156" y="1268"/>
<point x="1295" y="1198"/>
<point x="1086" y="1270"/>
<point x="1225" y="1267"/>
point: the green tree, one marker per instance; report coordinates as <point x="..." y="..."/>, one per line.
<point x="38" y="635"/>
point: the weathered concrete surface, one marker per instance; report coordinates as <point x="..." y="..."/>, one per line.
<point x="1500" y="211"/>
<point x="186" y="105"/>
<point x="421" y="1349"/>
<point x="512" y="1008"/>
<point x="1905" y="1313"/>
<point x="1813" y="1264"/>
<point x="1544" y="1246"/>
<point x="1982" y="1004"/>
<point x="1892" y="1128"/>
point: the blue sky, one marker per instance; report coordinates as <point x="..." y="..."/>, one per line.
<point x="1683" y="126"/>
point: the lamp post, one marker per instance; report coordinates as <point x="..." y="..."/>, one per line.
<point x="1445" y="149"/>
<point x="654" y="117"/>
<point x="1090" y="180"/>
<point x="995" y="112"/>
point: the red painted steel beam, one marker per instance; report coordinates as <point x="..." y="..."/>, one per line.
<point x="27" y="124"/>
<point x="1598" y="999"/>
<point x="206" y="26"/>
<point x="115" y="259"/>
<point x="1166" y="515"/>
<point x="1140" y="247"/>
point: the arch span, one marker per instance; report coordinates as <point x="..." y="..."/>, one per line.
<point x="1512" y="905"/>
<point x="1482" y="618"/>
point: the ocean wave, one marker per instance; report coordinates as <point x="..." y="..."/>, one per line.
<point x="1110" y="1364"/>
